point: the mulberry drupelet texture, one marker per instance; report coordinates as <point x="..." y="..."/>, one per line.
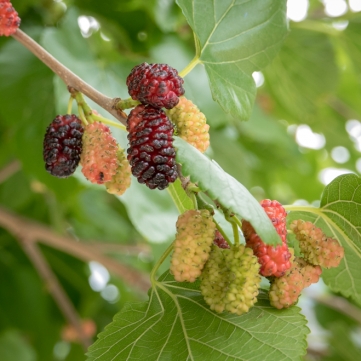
<point x="62" y="145"/>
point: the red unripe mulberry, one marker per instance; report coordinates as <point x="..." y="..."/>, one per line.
<point x="9" y="19"/>
<point x="274" y="260"/>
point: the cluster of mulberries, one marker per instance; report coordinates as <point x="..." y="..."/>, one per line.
<point x="151" y="153"/>
<point x="195" y="234"/>
<point x="230" y="280"/>
<point x="274" y="260"/>
<point x="9" y="19"/>
<point x="68" y="143"/>
<point x="62" y="145"/>
<point x="316" y="247"/>
<point x="285" y="291"/>
<point x="191" y="124"/>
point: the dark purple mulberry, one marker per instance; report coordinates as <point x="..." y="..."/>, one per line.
<point x="156" y="84"/>
<point x="151" y="154"/>
<point x="63" y="145"/>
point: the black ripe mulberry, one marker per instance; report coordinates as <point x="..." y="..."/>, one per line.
<point x="151" y="154"/>
<point x="156" y="84"/>
<point x="63" y="145"/>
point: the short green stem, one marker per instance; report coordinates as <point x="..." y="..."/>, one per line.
<point x="221" y="231"/>
<point x="236" y="224"/>
<point x="159" y="262"/>
<point x="235" y="233"/>
<point x="127" y="103"/>
<point x="81" y="115"/>
<point x="70" y="105"/>
<point x="237" y="221"/>
<point x="90" y="114"/>
<point x="99" y="118"/>
<point x="190" y="66"/>
<point x="295" y="208"/>
<point x="194" y="200"/>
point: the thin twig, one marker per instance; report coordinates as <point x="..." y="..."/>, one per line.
<point x="21" y="228"/>
<point x="55" y="288"/>
<point x="9" y="170"/>
<point x="69" y="78"/>
<point x="339" y="304"/>
<point x="118" y="248"/>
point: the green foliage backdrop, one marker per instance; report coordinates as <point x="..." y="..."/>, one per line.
<point x="312" y="76"/>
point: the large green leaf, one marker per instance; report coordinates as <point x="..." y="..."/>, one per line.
<point x="220" y="186"/>
<point x="234" y="38"/>
<point x="177" y="325"/>
<point x="14" y="347"/>
<point x="339" y="217"/>
<point x="299" y="79"/>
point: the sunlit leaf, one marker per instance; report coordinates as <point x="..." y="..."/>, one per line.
<point x="176" y="324"/>
<point x="234" y="38"/>
<point x="180" y="197"/>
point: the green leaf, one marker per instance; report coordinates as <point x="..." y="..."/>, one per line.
<point x="234" y="38"/>
<point x="220" y="186"/>
<point x="180" y="197"/>
<point x="343" y="346"/>
<point x="177" y="325"/>
<point x="299" y="79"/>
<point x="14" y="347"/>
<point x="339" y="217"/>
<point x="152" y="212"/>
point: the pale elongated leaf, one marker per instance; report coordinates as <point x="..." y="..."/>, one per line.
<point x="177" y="325"/>
<point x="220" y="186"/>
<point x="235" y="38"/>
<point x="339" y="217"/>
<point x="179" y="196"/>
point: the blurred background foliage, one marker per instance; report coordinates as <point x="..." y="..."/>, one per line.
<point x="304" y="131"/>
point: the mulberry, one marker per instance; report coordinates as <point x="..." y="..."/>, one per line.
<point x="230" y="280"/>
<point x="191" y="124"/>
<point x="9" y="19"/>
<point x="156" y="84"/>
<point x="99" y="157"/>
<point x="311" y="274"/>
<point x="195" y="233"/>
<point x="220" y="241"/>
<point x="120" y="181"/>
<point x="151" y="153"/>
<point x="63" y="145"/>
<point x="285" y="291"/>
<point x="274" y="260"/>
<point x="317" y="248"/>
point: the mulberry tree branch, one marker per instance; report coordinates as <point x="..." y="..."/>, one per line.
<point x="23" y="228"/>
<point x="9" y="170"/>
<point x="69" y="78"/>
<point x="55" y="288"/>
